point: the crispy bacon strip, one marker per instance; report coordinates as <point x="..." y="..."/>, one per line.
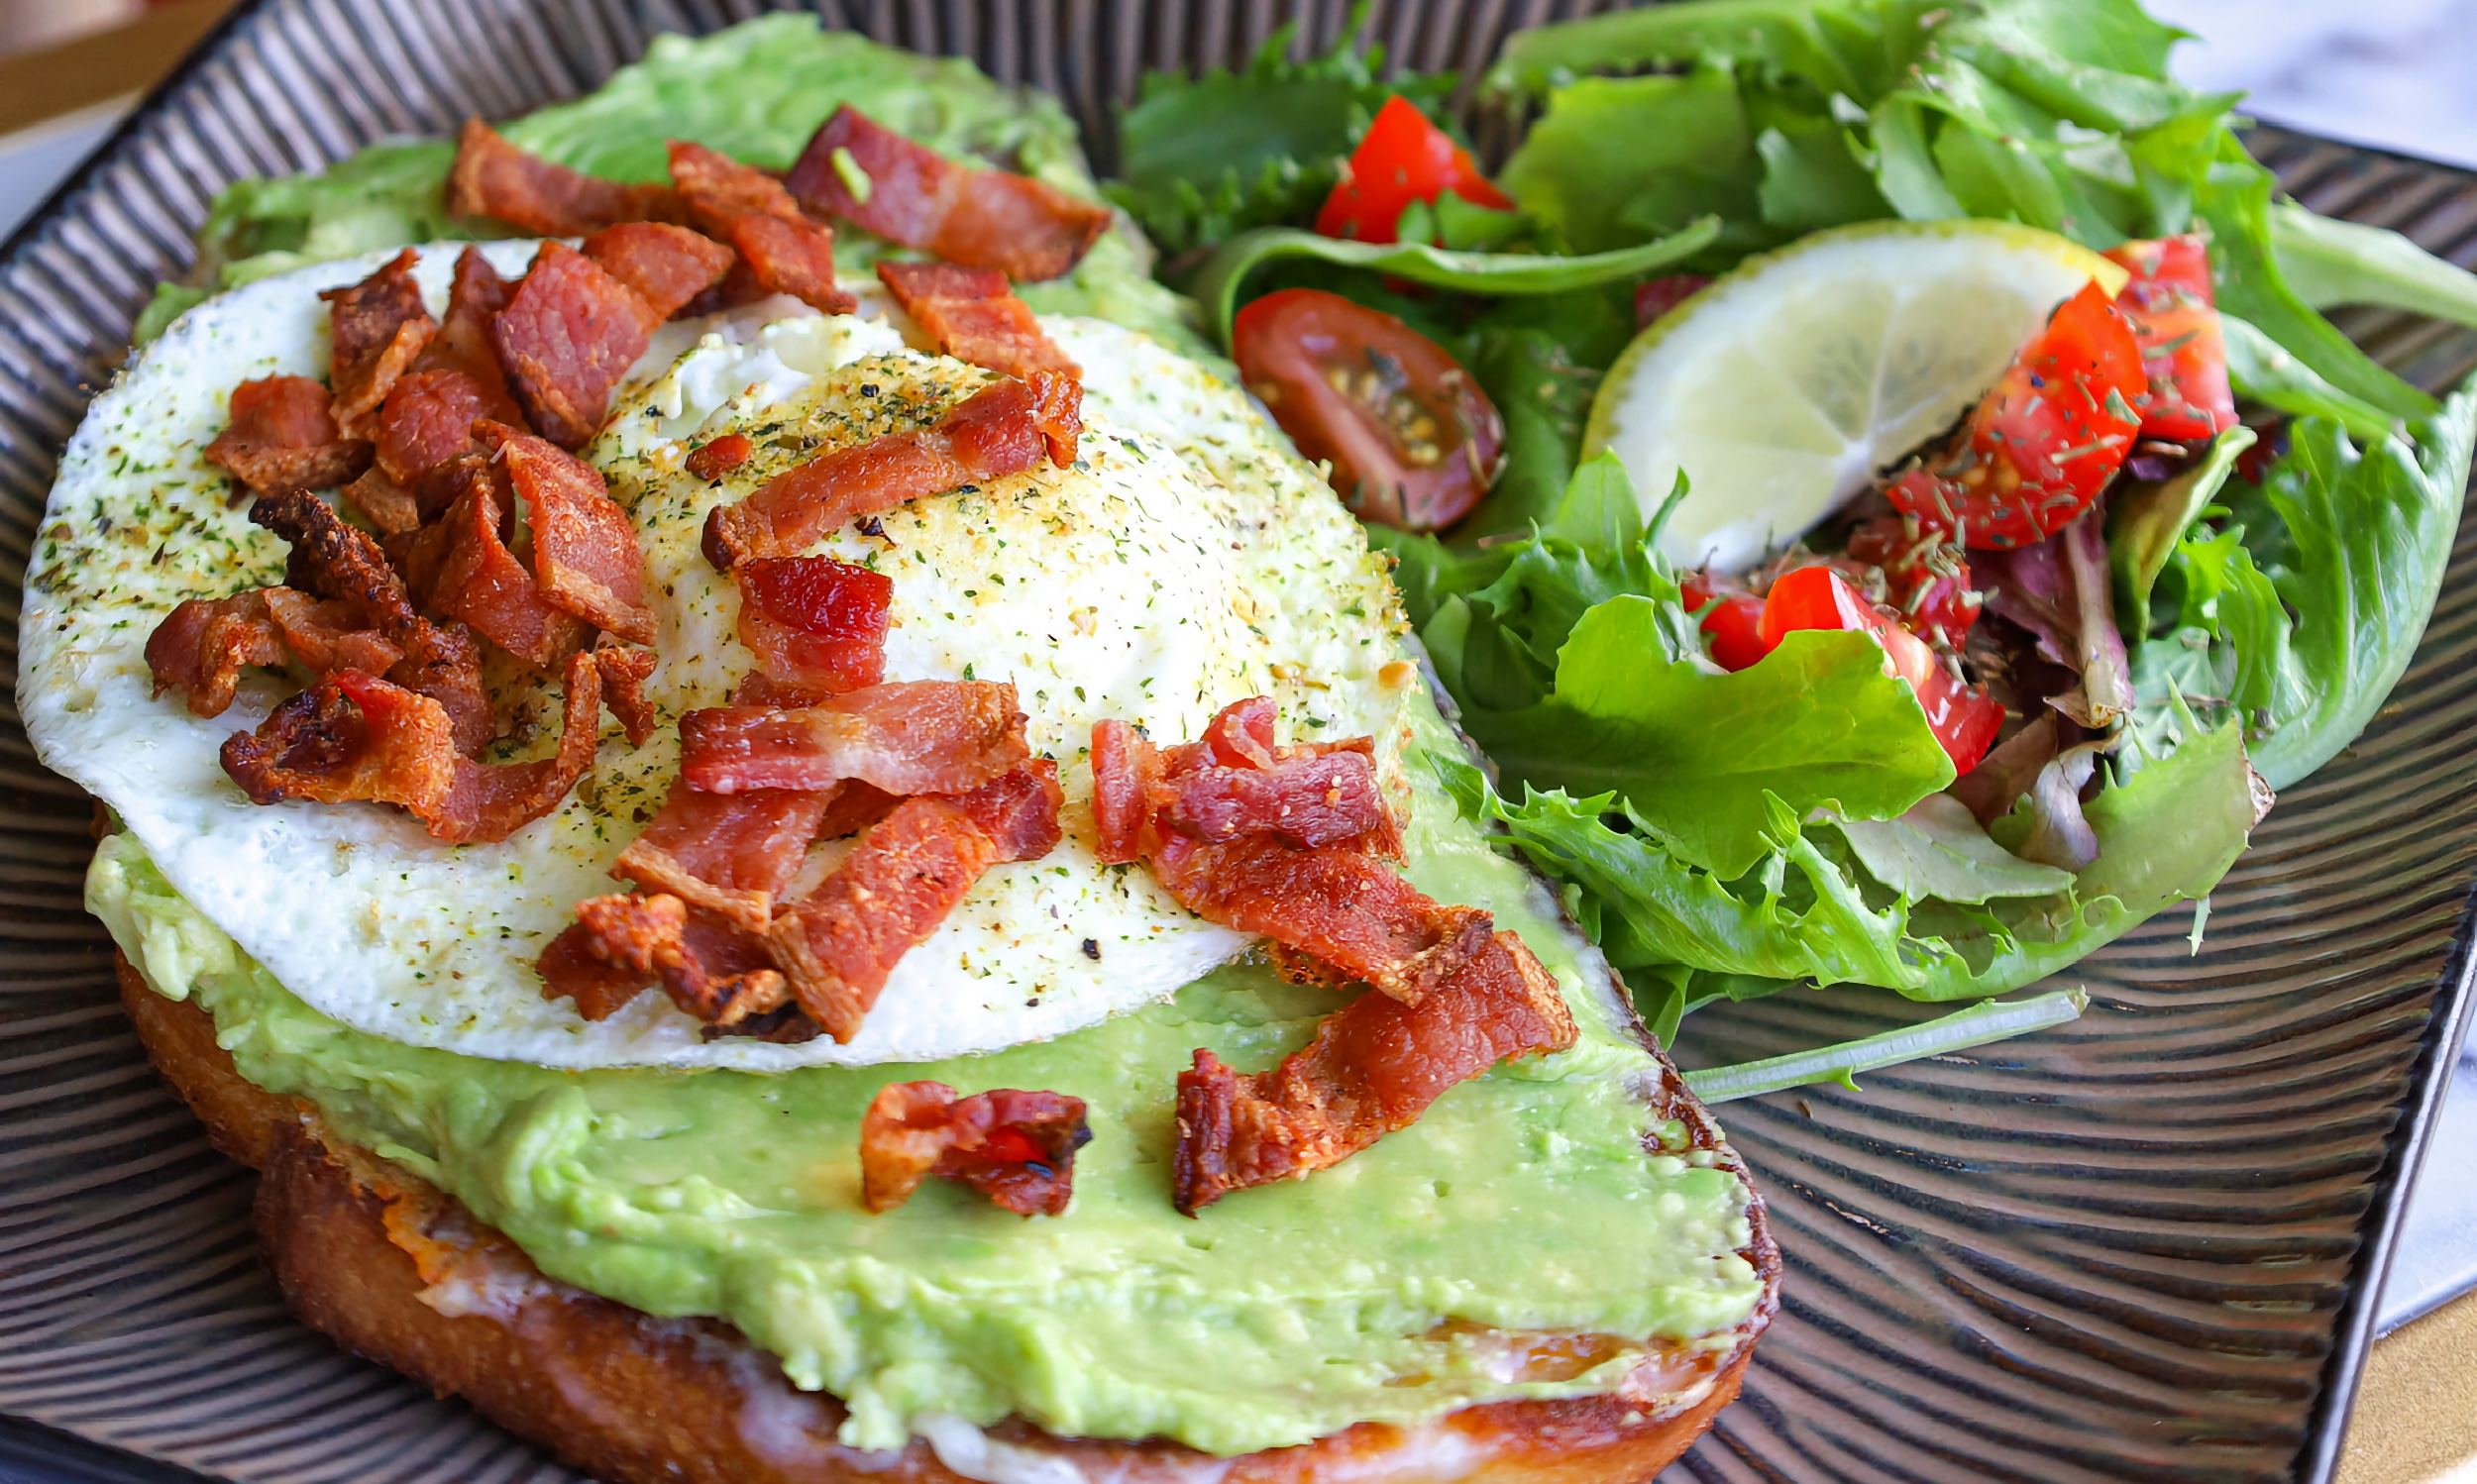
<point x="202" y="646"/>
<point x="428" y="419"/>
<point x="974" y="315"/>
<point x="728" y="853"/>
<point x="1125" y="768"/>
<point x="624" y="674"/>
<point x="585" y="552"/>
<point x="332" y="560"/>
<point x="838" y="944"/>
<point x="330" y="635"/>
<point x="480" y="583"/>
<point x="282" y="439"/>
<point x="813" y="621"/>
<point x="857" y="805"/>
<point x="1019" y="810"/>
<point x="718" y="190"/>
<point x="906" y="737"/>
<point x="492" y="177"/>
<point x="1341" y="907"/>
<point x="475" y="297"/>
<point x="1002" y="429"/>
<point x="493" y="802"/>
<point x="569" y="333"/>
<point x="1374" y="1068"/>
<point x="378" y="328"/>
<point x="384" y="502"/>
<point x="793" y="256"/>
<point x="353" y="736"/>
<point x="1327" y="800"/>
<point x="666" y="266"/>
<point x="622" y="943"/>
<point x="1016" y="1147"/>
<point x="1023" y="227"/>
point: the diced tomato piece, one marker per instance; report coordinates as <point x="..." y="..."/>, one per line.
<point x="2184" y="356"/>
<point x="1965" y="719"/>
<point x="1402" y="157"/>
<point x="1413" y="440"/>
<point x="1734" y="627"/>
<point x="1925" y="574"/>
<point x="2045" y="442"/>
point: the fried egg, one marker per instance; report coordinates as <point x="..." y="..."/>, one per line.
<point x="1187" y="559"/>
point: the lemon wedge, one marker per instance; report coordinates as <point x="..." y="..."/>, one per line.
<point x="1787" y="386"/>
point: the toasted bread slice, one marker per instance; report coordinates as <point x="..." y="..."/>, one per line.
<point x="395" y="1270"/>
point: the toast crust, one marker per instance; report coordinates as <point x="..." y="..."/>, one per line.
<point x="395" y="1270"/>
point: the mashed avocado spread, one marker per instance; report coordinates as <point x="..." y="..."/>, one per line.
<point x="1525" y="1200"/>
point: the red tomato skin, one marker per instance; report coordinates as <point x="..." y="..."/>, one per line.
<point x="1734" y="626"/>
<point x="2043" y="442"/>
<point x="1965" y="719"/>
<point x="1924" y="577"/>
<point x="1420" y="460"/>
<point x="1402" y="157"/>
<point x="2171" y="305"/>
<point x="1657" y="296"/>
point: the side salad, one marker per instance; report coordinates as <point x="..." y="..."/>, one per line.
<point x="2027" y="661"/>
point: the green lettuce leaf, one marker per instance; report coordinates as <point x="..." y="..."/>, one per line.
<point x="2146" y="520"/>
<point x="1217" y="285"/>
<point x="1202" y="159"/>
<point x="2330" y="263"/>
<point x="2167" y="834"/>
<point x="2260" y="372"/>
<point x="2303" y="607"/>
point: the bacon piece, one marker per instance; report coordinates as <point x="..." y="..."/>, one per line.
<point x="585" y="554"/>
<point x="624" y="674"/>
<point x="712" y="459"/>
<point x="571" y="969"/>
<point x="491" y="802"/>
<point x="718" y="190"/>
<point x="728" y="853"/>
<point x="1330" y="799"/>
<point x="1125" y="768"/>
<point x="1019" y="810"/>
<point x="666" y="266"/>
<point x="569" y="333"/>
<point x="793" y="256"/>
<point x="384" y="502"/>
<point x="838" y="944"/>
<point x="1006" y="428"/>
<point x="621" y="943"/>
<point x="854" y="807"/>
<point x="906" y="737"/>
<point x="1374" y="1067"/>
<point x="1016" y="1147"/>
<point x="1343" y="907"/>
<point x="282" y="439"/>
<point x="757" y="688"/>
<point x="333" y="559"/>
<point x="475" y="297"/>
<point x="429" y="419"/>
<point x="813" y="621"/>
<point x="331" y="635"/>
<point x="480" y="583"/>
<point x="1023" y="227"/>
<point x="492" y="177"/>
<point x="201" y="645"/>
<point x="353" y="736"/>
<point x="377" y="327"/>
<point x="973" y="315"/>
<point x="1240" y="734"/>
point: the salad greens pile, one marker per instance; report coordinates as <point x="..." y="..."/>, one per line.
<point x="1724" y="835"/>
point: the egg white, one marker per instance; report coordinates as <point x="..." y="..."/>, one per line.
<point x="1188" y="559"/>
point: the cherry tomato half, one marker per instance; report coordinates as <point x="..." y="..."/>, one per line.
<point x="1414" y="442"/>
<point x="2045" y="442"/>
<point x="1964" y="718"/>
<point x="1655" y="297"/>
<point x="1402" y="157"/>
<point x="1734" y="626"/>
<point x="2183" y="354"/>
